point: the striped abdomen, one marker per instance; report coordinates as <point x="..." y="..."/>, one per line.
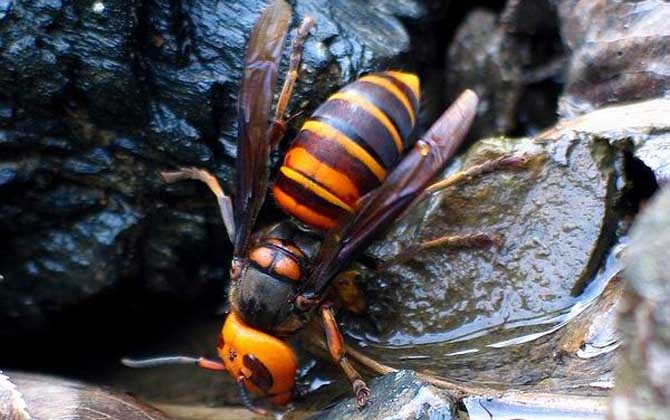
<point x="347" y="147"/>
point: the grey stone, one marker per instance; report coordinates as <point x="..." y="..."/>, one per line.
<point x="396" y="396"/>
<point x="25" y="396"/>
<point x="617" y="52"/>
<point x="642" y="388"/>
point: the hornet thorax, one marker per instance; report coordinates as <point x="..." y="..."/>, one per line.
<point x="270" y="278"/>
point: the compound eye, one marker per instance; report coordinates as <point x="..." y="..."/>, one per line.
<point x="260" y="375"/>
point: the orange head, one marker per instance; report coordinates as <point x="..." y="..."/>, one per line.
<point x="267" y="364"/>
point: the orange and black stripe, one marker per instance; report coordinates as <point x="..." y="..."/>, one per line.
<point x="347" y="148"/>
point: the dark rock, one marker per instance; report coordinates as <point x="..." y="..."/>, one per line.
<point x="512" y="61"/>
<point x="61" y="266"/>
<point x="642" y="385"/>
<point x="618" y="52"/>
<point x="98" y="97"/>
<point x="25" y="396"/>
<point x="398" y="396"/>
<point x="604" y="52"/>
<point x="469" y="51"/>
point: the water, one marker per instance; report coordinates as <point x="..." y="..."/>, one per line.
<point x="460" y="352"/>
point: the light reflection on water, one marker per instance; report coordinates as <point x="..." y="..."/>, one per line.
<point x="475" y="338"/>
<point x="480" y="408"/>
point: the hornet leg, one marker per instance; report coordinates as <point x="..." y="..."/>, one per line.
<point x="509" y="161"/>
<point x="225" y="204"/>
<point x="336" y="348"/>
<point x="279" y="124"/>
<point x="476" y="240"/>
<point x="464" y="175"/>
<point x="473" y="240"/>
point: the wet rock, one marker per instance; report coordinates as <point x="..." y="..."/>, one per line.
<point x="512" y="61"/>
<point x="98" y="97"/>
<point x="579" y="355"/>
<point x="565" y="371"/>
<point x="555" y="221"/>
<point x="26" y="396"/>
<point x="642" y="385"/>
<point x="570" y="358"/>
<point x="410" y="10"/>
<point x="618" y="52"/>
<point x="399" y="395"/>
<point x="62" y="266"/>
<point x="641" y="129"/>
<point x="12" y="404"/>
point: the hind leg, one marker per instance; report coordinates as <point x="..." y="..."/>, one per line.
<point x="473" y="240"/>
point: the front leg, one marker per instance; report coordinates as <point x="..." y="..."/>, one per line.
<point x="337" y="351"/>
<point x="225" y="204"/>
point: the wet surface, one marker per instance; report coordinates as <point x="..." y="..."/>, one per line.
<point x="567" y="408"/>
<point x="399" y="395"/>
<point x="554" y="218"/>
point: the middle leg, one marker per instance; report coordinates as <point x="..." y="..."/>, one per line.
<point x="474" y="240"/>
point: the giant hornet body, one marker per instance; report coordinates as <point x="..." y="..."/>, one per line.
<point x="344" y="176"/>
